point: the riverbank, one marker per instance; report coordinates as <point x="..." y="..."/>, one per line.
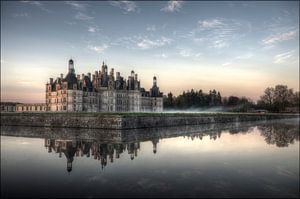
<point x="130" y="120"/>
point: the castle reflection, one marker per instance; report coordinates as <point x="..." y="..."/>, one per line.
<point x="102" y="152"/>
<point x="106" y="146"/>
<point x="106" y="151"/>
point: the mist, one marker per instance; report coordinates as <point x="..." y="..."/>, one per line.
<point x="217" y="109"/>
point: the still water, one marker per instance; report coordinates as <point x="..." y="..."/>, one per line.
<point x="233" y="160"/>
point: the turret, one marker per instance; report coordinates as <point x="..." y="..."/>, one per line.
<point x="154" y="82"/>
<point x="103" y="67"/>
<point x="71" y="66"/>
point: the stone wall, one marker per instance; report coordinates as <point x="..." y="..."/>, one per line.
<point x="162" y="120"/>
<point x="139" y="135"/>
<point x="128" y="120"/>
<point x="66" y="120"/>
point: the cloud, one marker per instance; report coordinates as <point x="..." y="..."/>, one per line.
<point x="209" y="24"/>
<point x="184" y="52"/>
<point x="220" y="43"/>
<point x="163" y="55"/>
<point x="151" y="28"/>
<point x="76" y="5"/>
<point x="172" y="6"/>
<point x="70" y="22"/>
<point x="126" y="6"/>
<point x="141" y="42"/>
<point x="238" y="58"/>
<point x="273" y="39"/>
<point x="226" y="64"/>
<point x="149" y="44"/>
<point x="98" y="49"/>
<point x="217" y="32"/>
<point x="93" y="29"/>
<point x="283" y="57"/>
<point x="38" y="4"/>
<point x="21" y="15"/>
<point x="245" y="56"/>
<point x="83" y="17"/>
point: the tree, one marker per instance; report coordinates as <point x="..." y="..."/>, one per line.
<point x="281" y="97"/>
<point x="193" y="99"/>
<point x="295" y="100"/>
<point x="168" y="101"/>
<point x="278" y="99"/>
<point x="268" y="97"/>
<point x="233" y="101"/>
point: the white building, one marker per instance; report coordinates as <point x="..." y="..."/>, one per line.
<point x="101" y="92"/>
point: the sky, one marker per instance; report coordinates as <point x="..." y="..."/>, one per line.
<point x="238" y="48"/>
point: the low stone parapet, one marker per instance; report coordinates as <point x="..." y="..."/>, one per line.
<point x="130" y="120"/>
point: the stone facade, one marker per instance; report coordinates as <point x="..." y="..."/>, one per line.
<point x="101" y="92"/>
<point x="21" y="107"/>
<point x="37" y="107"/>
<point x="8" y="106"/>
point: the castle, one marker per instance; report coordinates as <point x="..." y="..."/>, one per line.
<point x="101" y="92"/>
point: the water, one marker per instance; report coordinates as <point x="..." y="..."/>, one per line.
<point x="233" y="160"/>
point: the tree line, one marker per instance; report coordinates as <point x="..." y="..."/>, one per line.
<point x="277" y="99"/>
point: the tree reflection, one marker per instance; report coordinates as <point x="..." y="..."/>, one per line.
<point x="280" y="134"/>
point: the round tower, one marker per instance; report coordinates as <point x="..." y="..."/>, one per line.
<point x="154" y="81"/>
<point x="71" y="66"/>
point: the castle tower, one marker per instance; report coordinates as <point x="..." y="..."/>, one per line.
<point x="71" y="66"/>
<point x="154" y="81"/>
